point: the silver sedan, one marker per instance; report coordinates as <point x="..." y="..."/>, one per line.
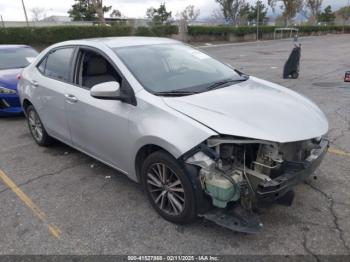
<point x="203" y="138"/>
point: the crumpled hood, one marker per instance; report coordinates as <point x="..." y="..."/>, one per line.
<point x="8" y="78"/>
<point x="255" y="109"/>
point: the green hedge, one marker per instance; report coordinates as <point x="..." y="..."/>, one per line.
<point x="224" y="30"/>
<point x="51" y="35"/>
<point x="158" y="30"/>
<point x="331" y="28"/>
<point x="244" y="30"/>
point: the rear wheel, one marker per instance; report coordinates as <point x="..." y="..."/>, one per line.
<point x="169" y="188"/>
<point x="37" y="128"/>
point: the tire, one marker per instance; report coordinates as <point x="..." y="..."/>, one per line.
<point x="37" y="128"/>
<point x="173" y="197"/>
<point x="295" y="75"/>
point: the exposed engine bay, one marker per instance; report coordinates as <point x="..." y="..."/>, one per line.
<point x="248" y="172"/>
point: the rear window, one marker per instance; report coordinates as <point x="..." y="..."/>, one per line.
<point x="16" y="57"/>
<point x="57" y="64"/>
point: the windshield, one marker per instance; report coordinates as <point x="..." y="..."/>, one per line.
<point x="175" y="68"/>
<point x="16" y="57"/>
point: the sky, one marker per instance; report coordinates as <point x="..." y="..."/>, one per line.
<point x="11" y="10"/>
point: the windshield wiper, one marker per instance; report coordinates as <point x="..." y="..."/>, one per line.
<point x="226" y="82"/>
<point x="175" y="93"/>
<point x="215" y="85"/>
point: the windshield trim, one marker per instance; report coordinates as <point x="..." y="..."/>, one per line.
<point x="204" y="87"/>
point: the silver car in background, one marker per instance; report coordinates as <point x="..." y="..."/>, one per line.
<point x="202" y="137"/>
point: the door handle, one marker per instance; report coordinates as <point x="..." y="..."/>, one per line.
<point x="71" y="98"/>
<point x="34" y="83"/>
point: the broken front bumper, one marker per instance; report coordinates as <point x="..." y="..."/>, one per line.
<point x="294" y="173"/>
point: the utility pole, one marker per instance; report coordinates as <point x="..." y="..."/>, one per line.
<point x="348" y="15"/>
<point x="2" y="21"/>
<point x="257" y="19"/>
<point x="25" y="12"/>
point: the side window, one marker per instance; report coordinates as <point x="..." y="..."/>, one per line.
<point x="57" y="64"/>
<point x="95" y="69"/>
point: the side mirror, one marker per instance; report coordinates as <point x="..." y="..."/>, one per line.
<point x="107" y="90"/>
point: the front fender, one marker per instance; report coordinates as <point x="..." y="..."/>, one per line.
<point x="154" y="123"/>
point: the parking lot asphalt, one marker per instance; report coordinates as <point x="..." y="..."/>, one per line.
<point x="59" y="201"/>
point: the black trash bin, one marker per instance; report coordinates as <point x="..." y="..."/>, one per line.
<point x="292" y="66"/>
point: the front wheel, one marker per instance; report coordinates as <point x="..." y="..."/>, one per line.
<point x="169" y="188"/>
<point x="37" y="128"/>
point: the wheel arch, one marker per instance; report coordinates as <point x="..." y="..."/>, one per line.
<point x="142" y="154"/>
<point x="25" y="105"/>
<point x="203" y="203"/>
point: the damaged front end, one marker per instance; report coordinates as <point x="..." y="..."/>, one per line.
<point x="238" y="175"/>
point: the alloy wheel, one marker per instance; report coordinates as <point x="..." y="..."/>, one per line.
<point x="166" y="189"/>
<point x="35" y="125"/>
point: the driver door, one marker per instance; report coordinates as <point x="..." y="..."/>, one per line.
<point x="98" y="127"/>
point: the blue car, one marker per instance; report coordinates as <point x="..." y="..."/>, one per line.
<point x="13" y="58"/>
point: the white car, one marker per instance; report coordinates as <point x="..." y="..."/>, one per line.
<point x="203" y="138"/>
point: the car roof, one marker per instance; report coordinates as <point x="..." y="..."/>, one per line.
<point x="3" y="47"/>
<point x="117" y="42"/>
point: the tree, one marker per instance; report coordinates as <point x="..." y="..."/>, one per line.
<point x="82" y="10"/>
<point x="290" y="8"/>
<point x="159" y="15"/>
<point x="344" y="13"/>
<point x="243" y="14"/>
<point x="327" y="16"/>
<point x="190" y="13"/>
<point x="315" y="9"/>
<point x="101" y="9"/>
<point x="253" y="13"/>
<point x="38" y="14"/>
<point x="217" y="15"/>
<point x="88" y="10"/>
<point x="231" y="9"/>
<point x="116" y="14"/>
<point x="306" y="14"/>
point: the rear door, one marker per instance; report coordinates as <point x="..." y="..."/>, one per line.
<point x="51" y="84"/>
